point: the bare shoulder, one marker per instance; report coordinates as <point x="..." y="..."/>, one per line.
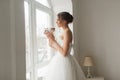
<point x="68" y="34"/>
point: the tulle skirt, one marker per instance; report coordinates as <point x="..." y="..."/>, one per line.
<point x="63" y="68"/>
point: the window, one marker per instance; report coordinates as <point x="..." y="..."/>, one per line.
<point x="37" y="16"/>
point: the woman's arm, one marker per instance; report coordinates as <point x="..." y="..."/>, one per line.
<point x="50" y="44"/>
<point x="51" y="38"/>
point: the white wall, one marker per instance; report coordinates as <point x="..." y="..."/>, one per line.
<point x="5" y="54"/>
<point x="20" y="39"/>
<point x="76" y="31"/>
<point x="99" y="35"/>
<point x="12" y="40"/>
<point x="62" y="5"/>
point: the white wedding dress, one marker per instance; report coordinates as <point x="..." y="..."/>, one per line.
<point x="63" y="68"/>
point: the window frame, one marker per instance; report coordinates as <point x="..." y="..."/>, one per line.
<point x="33" y="5"/>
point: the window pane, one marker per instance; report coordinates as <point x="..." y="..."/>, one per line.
<point x="28" y="76"/>
<point x="44" y="2"/>
<point x="42" y="21"/>
<point x="39" y="75"/>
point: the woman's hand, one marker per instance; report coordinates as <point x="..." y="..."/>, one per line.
<point x="51" y="38"/>
<point x="49" y="35"/>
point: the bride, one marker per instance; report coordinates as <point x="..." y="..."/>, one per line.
<point x="63" y="65"/>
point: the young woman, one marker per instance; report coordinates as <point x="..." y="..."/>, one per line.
<point x="63" y="65"/>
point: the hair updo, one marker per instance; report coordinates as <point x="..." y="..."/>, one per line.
<point x="65" y="16"/>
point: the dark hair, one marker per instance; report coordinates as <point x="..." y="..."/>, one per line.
<point x="65" y="16"/>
